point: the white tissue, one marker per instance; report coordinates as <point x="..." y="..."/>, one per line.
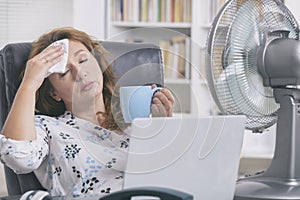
<point x="61" y="66"/>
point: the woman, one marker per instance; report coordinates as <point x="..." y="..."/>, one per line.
<point x="75" y="146"/>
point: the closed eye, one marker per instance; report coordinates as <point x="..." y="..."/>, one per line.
<point x="82" y="61"/>
<point x="63" y="74"/>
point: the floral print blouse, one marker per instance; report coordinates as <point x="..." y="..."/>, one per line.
<point x="70" y="156"/>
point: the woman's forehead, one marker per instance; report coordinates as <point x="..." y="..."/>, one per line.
<point x="75" y="47"/>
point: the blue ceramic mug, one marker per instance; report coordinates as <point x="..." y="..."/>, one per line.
<point x="136" y="101"/>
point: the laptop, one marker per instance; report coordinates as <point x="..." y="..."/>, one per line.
<point x="199" y="155"/>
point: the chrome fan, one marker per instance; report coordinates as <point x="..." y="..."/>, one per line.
<point x="253" y="69"/>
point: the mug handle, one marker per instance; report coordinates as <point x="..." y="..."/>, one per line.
<point x="154" y="90"/>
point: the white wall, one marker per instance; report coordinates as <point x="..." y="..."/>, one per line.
<point x="294" y="7"/>
<point x="23" y="21"/>
<point x="26" y="20"/>
<point x="89" y="16"/>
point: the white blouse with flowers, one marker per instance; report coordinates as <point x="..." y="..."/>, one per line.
<point x="70" y="156"/>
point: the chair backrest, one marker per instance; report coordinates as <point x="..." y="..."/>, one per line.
<point x="134" y="64"/>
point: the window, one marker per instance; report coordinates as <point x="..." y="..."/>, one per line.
<point x="26" y="20"/>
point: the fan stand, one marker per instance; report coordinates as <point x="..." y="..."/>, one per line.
<point x="281" y="181"/>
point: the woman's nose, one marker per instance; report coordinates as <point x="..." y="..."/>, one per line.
<point x="78" y="73"/>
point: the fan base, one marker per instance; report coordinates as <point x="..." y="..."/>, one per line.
<point x="267" y="188"/>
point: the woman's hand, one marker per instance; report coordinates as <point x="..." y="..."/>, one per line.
<point x="162" y="103"/>
<point x="38" y="66"/>
<point x="19" y="124"/>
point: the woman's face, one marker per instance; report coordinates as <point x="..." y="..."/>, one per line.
<point x="82" y="82"/>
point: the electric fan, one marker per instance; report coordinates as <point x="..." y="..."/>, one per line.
<point x="253" y="69"/>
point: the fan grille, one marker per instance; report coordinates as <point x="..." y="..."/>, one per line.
<point x="234" y="81"/>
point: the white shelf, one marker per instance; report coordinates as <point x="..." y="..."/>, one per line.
<point x="200" y="82"/>
<point x="177" y="81"/>
<point x="260" y="146"/>
<point x="257" y="155"/>
<point x="151" y="24"/>
<point x="206" y="26"/>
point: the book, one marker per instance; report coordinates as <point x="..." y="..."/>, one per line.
<point x="152" y="10"/>
<point x="187" y="64"/>
<point x="144" y="11"/>
<point x="166" y="49"/>
<point x="178" y="42"/>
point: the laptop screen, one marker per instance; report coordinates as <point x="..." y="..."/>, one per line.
<point x="197" y="155"/>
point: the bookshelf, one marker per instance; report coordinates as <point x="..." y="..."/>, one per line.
<point x="180" y="28"/>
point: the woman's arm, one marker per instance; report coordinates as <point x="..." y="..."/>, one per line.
<point x="25" y="156"/>
<point x="19" y="124"/>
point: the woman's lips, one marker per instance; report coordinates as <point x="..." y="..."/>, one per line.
<point x="87" y="86"/>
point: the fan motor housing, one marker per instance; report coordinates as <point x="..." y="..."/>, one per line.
<point x="278" y="62"/>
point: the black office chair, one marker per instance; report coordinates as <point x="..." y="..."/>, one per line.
<point x="135" y="64"/>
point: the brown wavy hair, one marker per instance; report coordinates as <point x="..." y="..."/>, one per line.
<point x="45" y="104"/>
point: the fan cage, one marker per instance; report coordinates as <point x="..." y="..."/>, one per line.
<point x="238" y="30"/>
